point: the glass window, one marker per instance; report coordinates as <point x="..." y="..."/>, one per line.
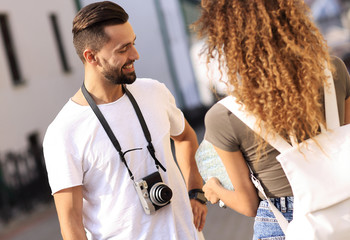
<point x="59" y="43"/>
<point x="10" y="50"/>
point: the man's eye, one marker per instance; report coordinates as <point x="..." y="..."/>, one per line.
<point x="123" y="50"/>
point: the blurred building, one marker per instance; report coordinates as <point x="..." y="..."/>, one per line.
<point x="40" y="71"/>
<point x="333" y="19"/>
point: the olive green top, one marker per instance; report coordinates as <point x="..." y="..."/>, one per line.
<point x="225" y="131"/>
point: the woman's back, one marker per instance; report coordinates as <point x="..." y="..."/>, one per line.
<point x="226" y="131"/>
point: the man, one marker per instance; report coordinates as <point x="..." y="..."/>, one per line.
<point x="94" y="195"/>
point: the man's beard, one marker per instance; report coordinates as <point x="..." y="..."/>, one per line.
<point x="116" y="75"/>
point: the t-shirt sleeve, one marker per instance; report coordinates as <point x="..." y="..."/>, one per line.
<point x="63" y="168"/>
<point x="347" y="81"/>
<point x="343" y="75"/>
<point x="176" y="117"/>
<point x="219" y="130"/>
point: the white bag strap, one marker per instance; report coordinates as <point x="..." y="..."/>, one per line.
<point x="238" y="110"/>
<point x="331" y="106"/>
<point x="330" y="103"/>
<point x="282" y="221"/>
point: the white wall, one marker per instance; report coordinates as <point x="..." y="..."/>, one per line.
<point x="156" y="38"/>
<point x="32" y="106"/>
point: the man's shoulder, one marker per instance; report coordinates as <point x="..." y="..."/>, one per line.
<point x="146" y="82"/>
<point x="69" y="114"/>
<point x="147" y="86"/>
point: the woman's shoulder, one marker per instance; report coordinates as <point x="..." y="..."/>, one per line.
<point x="219" y="118"/>
<point x="339" y="65"/>
<point x="336" y="60"/>
<point x="216" y="113"/>
<point x="341" y="76"/>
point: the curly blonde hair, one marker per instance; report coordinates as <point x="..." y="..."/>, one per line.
<point x="275" y="58"/>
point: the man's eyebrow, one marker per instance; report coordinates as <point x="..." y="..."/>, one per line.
<point x="126" y="44"/>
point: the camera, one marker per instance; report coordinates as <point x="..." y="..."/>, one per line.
<point x="152" y="192"/>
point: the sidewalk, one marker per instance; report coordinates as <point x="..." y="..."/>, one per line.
<point x="40" y="224"/>
<point x="221" y="224"/>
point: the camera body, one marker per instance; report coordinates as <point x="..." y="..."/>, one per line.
<point x="152" y="192"/>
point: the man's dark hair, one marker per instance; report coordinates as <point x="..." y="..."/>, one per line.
<point x="89" y="23"/>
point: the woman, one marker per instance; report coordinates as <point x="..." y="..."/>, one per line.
<point x="274" y="58"/>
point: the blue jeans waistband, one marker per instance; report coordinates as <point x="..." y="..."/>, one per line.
<point x="266" y="225"/>
<point x="283" y="204"/>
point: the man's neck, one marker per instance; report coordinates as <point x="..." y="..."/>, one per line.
<point x="101" y="93"/>
<point x="104" y="93"/>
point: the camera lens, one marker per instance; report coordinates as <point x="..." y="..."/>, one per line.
<point x="160" y="194"/>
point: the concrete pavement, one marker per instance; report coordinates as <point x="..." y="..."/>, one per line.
<point x="221" y="224"/>
<point x="40" y="224"/>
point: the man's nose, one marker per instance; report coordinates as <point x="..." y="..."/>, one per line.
<point x="134" y="55"/>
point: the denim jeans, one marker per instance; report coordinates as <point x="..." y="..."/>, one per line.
<point x="266" y="226"/>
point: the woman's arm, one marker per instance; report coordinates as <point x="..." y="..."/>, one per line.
<point x="69" y="206"/>
<point x="244" y="199"/>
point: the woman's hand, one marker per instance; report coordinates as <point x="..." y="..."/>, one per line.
<point x="210" y="189"/>
<point x="244" y="199"/>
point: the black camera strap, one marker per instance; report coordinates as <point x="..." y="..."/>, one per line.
<point x="147" y="134"/>
<point x="112" y="137"/>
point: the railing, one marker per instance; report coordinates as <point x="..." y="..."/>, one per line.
<point x="23" y="181"/>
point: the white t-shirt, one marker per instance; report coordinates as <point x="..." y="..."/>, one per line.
<point x="78" y="152"/>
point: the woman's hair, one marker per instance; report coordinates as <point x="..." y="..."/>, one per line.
<point x="89" y="23"/>
<point x="274" y="57"/>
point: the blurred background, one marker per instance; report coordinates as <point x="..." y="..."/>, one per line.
<point x="40" y="71"/>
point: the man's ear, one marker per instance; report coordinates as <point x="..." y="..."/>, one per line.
<point x="90" y="57"/>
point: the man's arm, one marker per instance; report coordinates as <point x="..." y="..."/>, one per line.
<point x="69" y="206"/>
<point x="186" y="145"/>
